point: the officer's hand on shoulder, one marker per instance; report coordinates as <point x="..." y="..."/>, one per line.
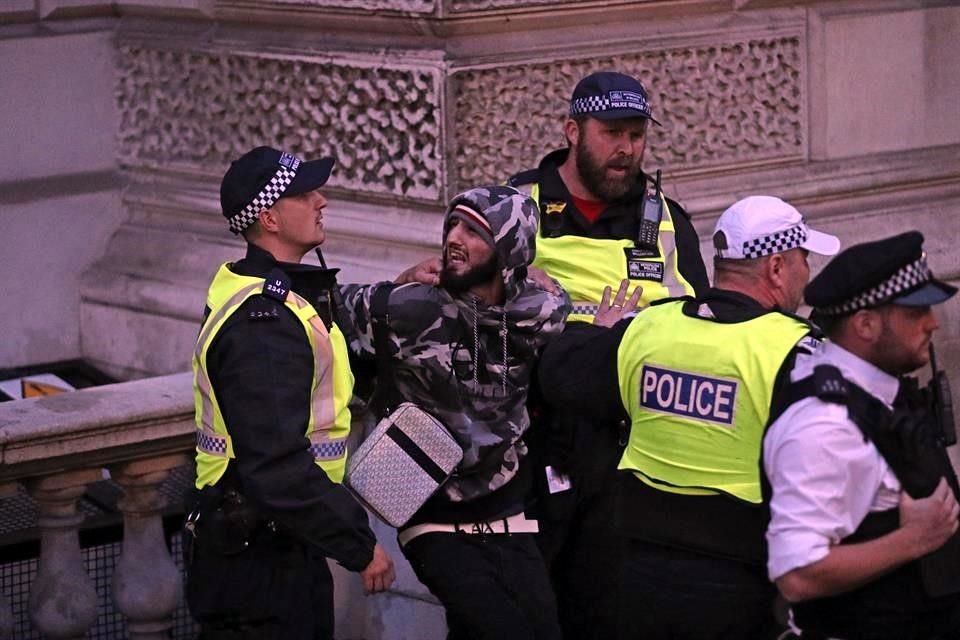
<point x="427" y="272"/>
<point x="379" y="574"/>
<point x="540" y="278"/>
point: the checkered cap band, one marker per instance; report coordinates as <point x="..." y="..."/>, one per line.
<point x="599" y="104"/>
<point x="213" y="445"/>
<point x="902" y="281"/>
<point x="267" y="197"/>
<point x="776" y="242"/>
<point x="328" y="450"/>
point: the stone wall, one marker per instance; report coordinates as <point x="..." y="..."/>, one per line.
<point x="59" y="197"/>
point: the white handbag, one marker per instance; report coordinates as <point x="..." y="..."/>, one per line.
<point x="403" y="462"/>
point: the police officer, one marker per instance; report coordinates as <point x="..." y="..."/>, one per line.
<point x="603" y="222"/>
<point x="693" y="380"/>
<point x="272" y="383"/>
<point x="862" y="537"/>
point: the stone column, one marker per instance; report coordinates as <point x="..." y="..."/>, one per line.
<point x="63" y="599"/>
<point x="146" y="583"/>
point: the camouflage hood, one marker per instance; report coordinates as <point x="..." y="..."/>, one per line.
<point x="508" y="220"/>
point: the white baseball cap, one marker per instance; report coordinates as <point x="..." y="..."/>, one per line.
<point x="759" y="226"/>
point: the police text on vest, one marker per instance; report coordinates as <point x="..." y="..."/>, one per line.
<point x="687" y="394"/>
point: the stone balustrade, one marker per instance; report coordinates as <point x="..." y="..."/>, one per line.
<point x="55" y="447"/>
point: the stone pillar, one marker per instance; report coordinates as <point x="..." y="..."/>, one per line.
<point x="146" y="584"/>
<point x="63" y="599"/>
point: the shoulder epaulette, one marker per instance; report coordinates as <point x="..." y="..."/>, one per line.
<point x="276" y="285"/>
<point x="829" y="384"/>
<point x="810" y="343"/>
<point x="524" y="177"/>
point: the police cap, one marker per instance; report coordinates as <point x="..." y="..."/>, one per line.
<point x="889" y="271"/>
<point x="260" y="177"/>
<point x="609" y="95"/>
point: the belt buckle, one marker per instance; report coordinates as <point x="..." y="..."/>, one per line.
<point x="190" y="524"/>
<point x="475" y="528"/>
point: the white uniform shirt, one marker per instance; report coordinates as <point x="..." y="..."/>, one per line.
<point x="825" y="478"/>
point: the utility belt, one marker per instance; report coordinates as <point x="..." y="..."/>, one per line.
<point x="224" y="521"/>
<point x="714" y="525"/>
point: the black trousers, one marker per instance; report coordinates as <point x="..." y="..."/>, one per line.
<point x="670" y="594"/>
<point x="884" y="610"/>
<point x="276" y="589"/>
<point x="580" y="544"/>
<point x="493" y="587"/>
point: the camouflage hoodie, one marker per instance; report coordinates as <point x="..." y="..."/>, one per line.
<point x="468" y="363"/>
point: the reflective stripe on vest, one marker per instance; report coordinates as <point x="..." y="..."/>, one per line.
<point x="698" y="406"/>
<point x="332" y="385"/>
<point x="584" y="266"/>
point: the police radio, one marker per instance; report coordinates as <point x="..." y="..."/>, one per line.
<point x="941" y="402"/>
<point x="652" y="214"/>
<point x="334" y="303"/>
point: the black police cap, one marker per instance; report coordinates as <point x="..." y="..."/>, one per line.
<point x="610" y="95"/>
<point x="263" y="175"/>
<point x="889" y="271"/>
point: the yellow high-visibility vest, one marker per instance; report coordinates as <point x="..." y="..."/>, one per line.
<point x="698" y="405"/>
<point x="584" y="266"/>
<point x="332" y="387"/>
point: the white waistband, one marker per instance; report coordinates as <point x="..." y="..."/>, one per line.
<point x="513" y="524"/>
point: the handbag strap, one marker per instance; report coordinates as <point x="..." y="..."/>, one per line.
<point x="385" y="397"/>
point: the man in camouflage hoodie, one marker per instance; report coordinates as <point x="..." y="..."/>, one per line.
<point x="464" y="351"/>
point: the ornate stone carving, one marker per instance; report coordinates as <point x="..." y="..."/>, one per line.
<point x="198" y="110"/>
<point x="460" y="6"/>
<point x="402" y="6"/>
<point x="723" y="104"/>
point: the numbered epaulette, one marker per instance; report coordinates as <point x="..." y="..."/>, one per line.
<point x="276" y="285"/>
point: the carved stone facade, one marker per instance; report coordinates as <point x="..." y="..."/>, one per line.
<point x="400" y="6"/>
<point x="721" y="105"/>
<point x="424" y="7"/>
<point x="462" y="6"/>
<point x="195" y="111"/>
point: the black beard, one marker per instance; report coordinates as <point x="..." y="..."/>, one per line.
<point x="456" y="283"/>
<point x="594" y="177"/>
